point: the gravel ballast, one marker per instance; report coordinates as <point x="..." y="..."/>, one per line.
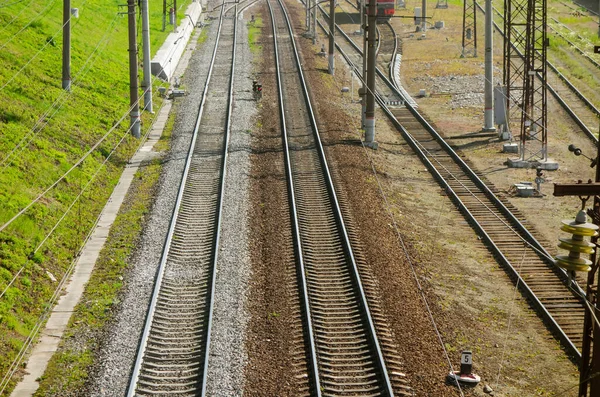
<point x="230" y="316"/>
<point x="111" y="376"/>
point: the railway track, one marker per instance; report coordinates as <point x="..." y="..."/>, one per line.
<point x="347" y="355"/>
<point x="555" y="298"/>
<point x="172" y="355"/>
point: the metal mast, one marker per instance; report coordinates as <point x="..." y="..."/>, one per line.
<point x="534" y="118"/>
<point x="515" y="39"/>
<point x="469" y="36"/>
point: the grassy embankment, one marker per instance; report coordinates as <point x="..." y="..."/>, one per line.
<point x="43" y="133"/>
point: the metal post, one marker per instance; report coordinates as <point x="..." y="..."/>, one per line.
<point x="66" y="50"/>
<point x="315" y="7"/>
<point x="372" y="47"/>
<point x="147" y="82"/>
<point x="307" y="3"/>
<point x="164" y="15"/>
<point x="134" y="114"/>
<point x="174" y="16"/>
<point x="331" y="36"/>
<point x="489" y="70"/>
<point x="424" y="15"/>
<point x="363" y="98"/>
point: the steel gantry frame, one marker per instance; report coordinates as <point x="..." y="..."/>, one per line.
<point x="469" y="33"/>
<point x="525" y="70"/>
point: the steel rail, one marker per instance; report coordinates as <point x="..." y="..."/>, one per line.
<point x="530" y="238"/>
<point x="167" y="245"/>
<point x="527" y="237"/>
<point x="301" y="270"/>
<point x="579" y="50"/>
<point x="394" y="52"/>
<point x="372" y="334"/>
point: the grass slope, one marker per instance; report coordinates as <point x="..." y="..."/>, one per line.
<point x="44" y="132"/>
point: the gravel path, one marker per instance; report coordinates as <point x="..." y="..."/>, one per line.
<point x="230" y="316"/>
<point x="116" y="359"/>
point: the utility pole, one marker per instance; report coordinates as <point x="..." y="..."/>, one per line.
<point x="315" y="6"/>
<point x="331" y="36"/>
<point x="489" y="70"/>
<point x="134" y="114"/>
<point x="66" y="50"/>
<point x="372" y="48"/>
<point x="363" y="92"/>
<point x="307" y="3"/>
<point x="147" y="82"/>
<point x="424" y="15"/>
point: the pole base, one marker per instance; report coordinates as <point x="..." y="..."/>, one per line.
<point x="373" y="145"/>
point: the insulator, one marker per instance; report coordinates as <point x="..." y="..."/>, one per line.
<point x="576" y="245"/>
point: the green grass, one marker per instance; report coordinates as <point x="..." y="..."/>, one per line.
<point x="69" y="368"/>
<point x="254" y="33"/>
<point x="30" y="83"/>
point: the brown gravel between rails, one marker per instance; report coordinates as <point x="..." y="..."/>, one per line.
<point x="471" y="298"/>
<point x="268" y="342"/>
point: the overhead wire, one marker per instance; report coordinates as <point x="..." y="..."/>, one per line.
<point x="48" y="42"/>
<point x="64" y="175"/>
<point x="543" y="254"/>
<point x="20" y="356"/>
<point x="403" y="246"/>
<point x="81" y="160"/>
<point x="34" y="331"/>
<point x="17" y="15"/>
<point x="44" y="11"/>
<point x="62" y="97"/>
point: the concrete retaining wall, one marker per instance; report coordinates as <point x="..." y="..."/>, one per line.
<point x="166" y="58"/>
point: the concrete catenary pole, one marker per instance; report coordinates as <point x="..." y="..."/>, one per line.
<point x="134" y="114"/>
<point x="362" y="15"/>
<point x="489" y="70"/>
<point x="66" y="50"/>
<point x="147" y="82"/>
<point x="372" y="47"/>
<point x="331" y="36"/>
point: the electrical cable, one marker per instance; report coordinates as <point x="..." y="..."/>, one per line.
<point x="407" y="255"/>
<point x="48" y="41"/>
<point x="16" y="362"/>
<point x="44" y="12"/>
<point x="64" y="175"/>
<point x="14" y="18"/>
<point x="512" y="304"/>
<point x="90" y="151"/>
<point x="4" y="5"/>
<point x="61" y="99"/>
